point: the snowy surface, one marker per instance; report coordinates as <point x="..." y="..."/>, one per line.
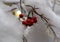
<point x="11" y="30"/>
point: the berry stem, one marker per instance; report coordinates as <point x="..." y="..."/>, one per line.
<point x="29" y="13"/>
<point x="21" y="5"/>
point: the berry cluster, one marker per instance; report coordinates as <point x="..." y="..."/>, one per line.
<point x="29" y="21"/>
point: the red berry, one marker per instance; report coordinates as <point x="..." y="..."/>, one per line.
<point x="35" y="19"/>
<point x="32" y="21"/>
<point x="30" y="24"/>
<point x="21" y="15"/>
<point x="24" y="23"/>
<point x="28" y="20"/>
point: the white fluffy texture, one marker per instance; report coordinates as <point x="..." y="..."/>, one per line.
<point x="47" y="11"/>
<point x="11" y="0"/>
<point x="11" y="30"/>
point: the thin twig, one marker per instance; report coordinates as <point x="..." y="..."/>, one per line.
<point x="24" y="39"/>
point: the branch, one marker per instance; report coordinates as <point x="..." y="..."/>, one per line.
<point x="44" y="19"/>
